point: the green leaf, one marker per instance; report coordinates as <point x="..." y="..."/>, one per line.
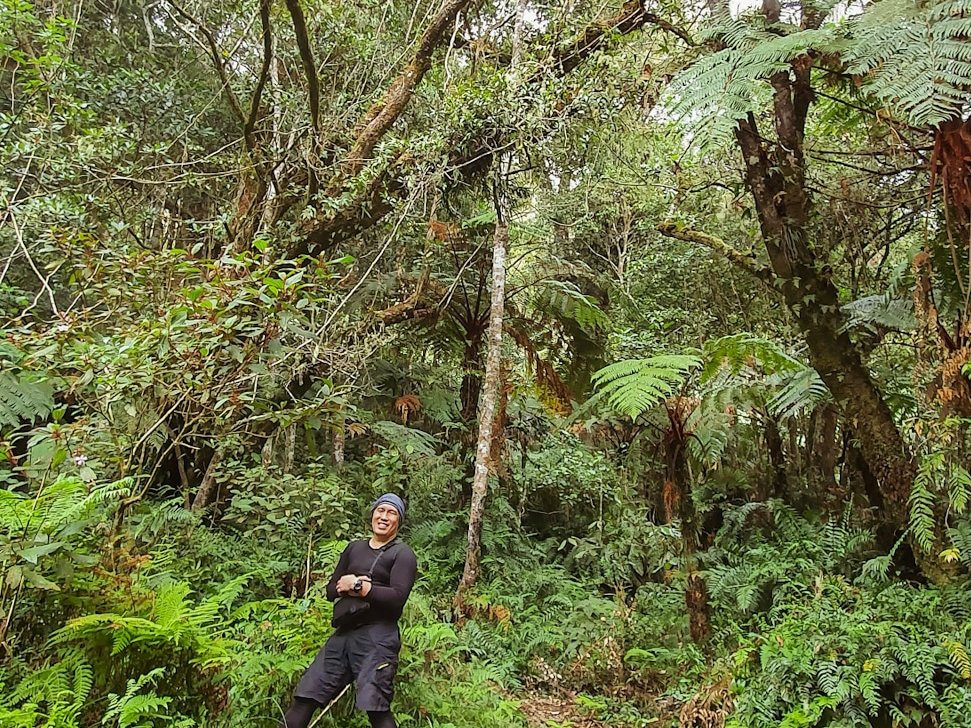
<point x="34" y="553"/>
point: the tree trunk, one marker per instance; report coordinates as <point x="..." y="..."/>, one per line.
<point x="834" y="356"/>
<point x="471" y="375"/>
<point x="822" y="456"/>
<point x="490" y="396"/>
<point x="288" y="455"/>
<point x="775" y="173"/>
<point x="266" y="452"/>
<point x="207" y="488"/>
<point x="777" y="461"/>
<point x="339" y="448"/>
<point x="696" y="590"/>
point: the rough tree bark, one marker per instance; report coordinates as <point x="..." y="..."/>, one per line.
<point x="822" y="458"/>
<point x="775" y="174"/>
<point x="678" y="484"/>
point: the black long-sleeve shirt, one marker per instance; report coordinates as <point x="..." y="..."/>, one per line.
<point x="391" y="582"/>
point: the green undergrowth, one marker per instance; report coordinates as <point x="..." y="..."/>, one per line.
<point x="178" y="624"/>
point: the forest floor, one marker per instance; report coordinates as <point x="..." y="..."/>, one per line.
<point x="543" y="711"/>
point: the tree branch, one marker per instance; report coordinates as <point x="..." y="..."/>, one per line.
<point x="371" y="205"/>
<point x="220" y="67"/>
<point x="254" y="110"/>
<point x="746" y="261"/>
<point x="383" y="114"/>
<point x="307" y="57"/>
<point x="632" y="16"/>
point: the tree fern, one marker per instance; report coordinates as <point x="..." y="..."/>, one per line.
<point x="634" y="386"/>
<point x="721" y="88"/>
<point x="408" y="440"/>
<point x="915" y="56"/>
<point x="912" y="55"/>
<point x="742" y="358"/>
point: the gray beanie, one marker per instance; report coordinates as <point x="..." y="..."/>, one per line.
<point x="392" y="500"/>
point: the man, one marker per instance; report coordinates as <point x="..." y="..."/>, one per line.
<point x="370" y="586"/>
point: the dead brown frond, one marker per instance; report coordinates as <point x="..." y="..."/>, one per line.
<point x="407" y="405"/>
<point x="548" y="381"/>
<point x="708" y="708"/>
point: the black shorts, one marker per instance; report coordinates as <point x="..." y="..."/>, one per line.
<point x="367" y="655"/>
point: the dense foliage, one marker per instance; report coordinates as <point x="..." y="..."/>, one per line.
<point x="248" y="251"/>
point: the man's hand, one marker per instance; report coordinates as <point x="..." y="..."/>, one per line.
<point x="346" y="583"/>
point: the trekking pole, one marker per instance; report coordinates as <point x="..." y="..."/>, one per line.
<point x="329" y="706"/>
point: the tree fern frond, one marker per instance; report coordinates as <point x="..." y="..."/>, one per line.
<point x="745" y="351"/>
<point x="799" y="391"/>
<point x="885" y="311"/>
<point x="408" y="440"/>
<point x="564" y="300"/>
<point x="24" y="397"/>
<point x="914" y="56"/>
<point x="633" y="386"/>
<point x="718" y="90"/>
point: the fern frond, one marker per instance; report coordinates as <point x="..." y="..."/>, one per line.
<point x="884" y="311"/>
<point x="408" y="440"/>
<point x="922" y="502"/>
<point x="564" y="300"/>
<point x="738" y="352"/>
<point x="799" y="391"/>
<point x="633" y="386"/>
<point x="718" y="90"/>
<point x="914" y="56"/>
<point x="24" y="397"/>
<point x="959" y="488"/>
<point x="959" y="657"/>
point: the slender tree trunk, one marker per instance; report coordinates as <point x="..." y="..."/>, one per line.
<point x="777" y="461"/>
<point x="696" y="590"/>
<point x="266" y="452"/>
<point x="490" y="397"/>
<point x="207" y="488"/>
<point x="822" y="456"/>
<point x="339" y="448"/>
<point x="289" y="449"/>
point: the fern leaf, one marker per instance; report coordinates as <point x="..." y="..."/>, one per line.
<point x="633" y="386"/>
<point x="24" y="398"/>
<point x="914" y="56"/>
<point x="408" y="440"/>
<point x="922" y="503"/>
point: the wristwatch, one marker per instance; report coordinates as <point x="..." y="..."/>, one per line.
<point x="358" y="585"/>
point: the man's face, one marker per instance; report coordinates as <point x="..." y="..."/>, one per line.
<point x="384" y="521"/>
